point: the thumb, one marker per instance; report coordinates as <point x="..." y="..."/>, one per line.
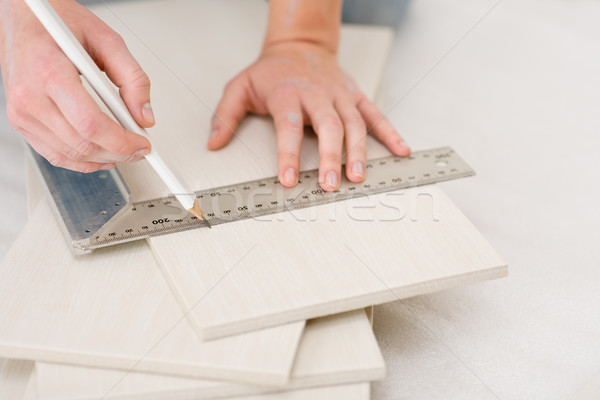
<point x="230" y="111"/>
<point x="112" y="56"/>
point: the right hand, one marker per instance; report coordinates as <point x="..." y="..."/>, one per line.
<point x="46" y="101"/>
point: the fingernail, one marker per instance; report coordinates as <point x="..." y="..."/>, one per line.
<point x="290" y="176"/>
<point x="147" y="113"/>
<point x="138" y="155"/>
<point x="107" y="166"/>
<point x="214" y="132"/>
<point x="142" y="152"/>
<point x="331" y="179"/>
<point x="404" y="146"/>
<point x="358" y="169"/>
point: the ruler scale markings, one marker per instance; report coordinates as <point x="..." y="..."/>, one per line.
<point x="264" y="197"/>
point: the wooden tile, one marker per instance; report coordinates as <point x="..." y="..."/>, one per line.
<point x="34" y="189"/>
<point x="15" y="376"/>
<point x="113" y="309"/>
<point x="348" y="392"/>
<point x="334" y="350"/>
<point x="304" y="265"/>
<point x="18" y="382"/>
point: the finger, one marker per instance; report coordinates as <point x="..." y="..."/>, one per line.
<point x="112" y="56"/>
<point x="286" y="110"/>
<point x="36" y="132"/>
<point x="379" y="126"/>
<point x="330" y="132"/>
<point x="84" y="115"/>
<point x="355" y="138"/>
<point x="72" y="144"/>
<point x="230" y="111"/>
<point x="57" y="159"/>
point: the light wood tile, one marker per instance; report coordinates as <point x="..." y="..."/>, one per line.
<point x="306" y="265"/>
<point x="113" y="309"/>
<point x="339" y="349"/>
<point x="15" y="379"/>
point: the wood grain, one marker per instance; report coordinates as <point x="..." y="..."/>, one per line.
<point x="113" y="309"/>
<point x="348" y="392"/>
<point x="18" y="382"/>
<point x="34" y="189"/>
<point x="306" y="265"/>
<point x="334" y="350"/>
<point x="15" y="376"/>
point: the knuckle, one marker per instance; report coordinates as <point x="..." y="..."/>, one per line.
<point x="86" y="168"/>
<point x="231" y="85"/>
<point x="19" y="96"/>
<point x="331" y="158"/>
<point x="14" y="115"/>
<point x="358" y="149"/>
<point x="88" y="126"/>
<point x="123" y="148"/>
<point x="290" y="129"/>
<point x="24" y="133"/>
<point x="56" y="159"/>
<point x="331" y="123"/>
<point x="139" y="78"/>
<point x="46" y="75"/>
<point x="354" y="119"/>
<point x="359" y="97"/>
<point x="114" y="39"/>
<point x="317" y="90"/>
<point x="287" y="155"/>
<point x="285" y="91"/>
<point x="81" y="151"/>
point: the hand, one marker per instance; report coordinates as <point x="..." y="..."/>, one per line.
<point x="301" y="83"/>
<point x="46" y="101"/>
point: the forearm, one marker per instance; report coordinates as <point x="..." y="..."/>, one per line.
<point x="313" y="21"/>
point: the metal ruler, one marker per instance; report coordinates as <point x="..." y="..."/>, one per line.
<point x="132" y="221"/>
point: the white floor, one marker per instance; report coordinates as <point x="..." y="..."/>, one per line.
<point x="513" y="86"/>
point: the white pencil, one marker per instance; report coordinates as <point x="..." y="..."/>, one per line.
<point x="69" y="44"/>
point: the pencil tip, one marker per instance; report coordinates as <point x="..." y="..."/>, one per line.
<point x="197" y="211"/>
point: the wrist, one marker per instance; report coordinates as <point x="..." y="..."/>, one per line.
<point x="300" y="39"/>
<point x="310" y="21"/>
<point x="295" y="48"/>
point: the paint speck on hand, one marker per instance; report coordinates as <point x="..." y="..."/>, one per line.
<point x="294" y="119"/>
<point x="289" y="17"/>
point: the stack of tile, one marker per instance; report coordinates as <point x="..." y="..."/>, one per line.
<point x="261" y="309"/>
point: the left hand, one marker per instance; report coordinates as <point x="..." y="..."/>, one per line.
<point x="300" y="83"/>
